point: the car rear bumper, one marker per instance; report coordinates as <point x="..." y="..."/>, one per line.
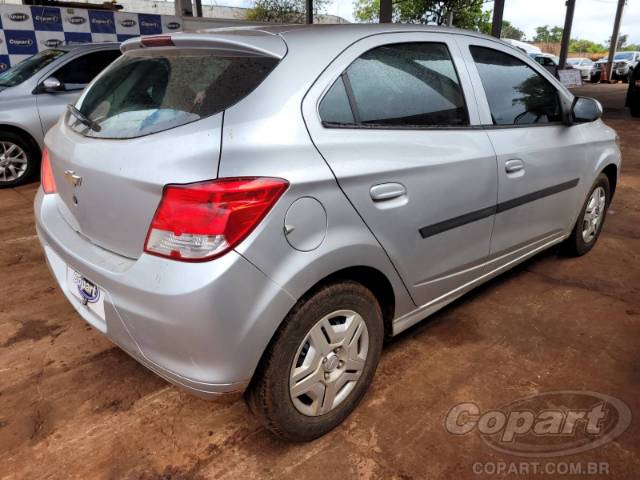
<point x="200" y="326"/>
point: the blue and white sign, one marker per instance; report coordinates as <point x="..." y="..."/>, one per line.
<point x="26" y="30"/>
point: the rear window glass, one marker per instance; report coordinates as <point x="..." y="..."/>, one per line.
<point x="144" y="93"/>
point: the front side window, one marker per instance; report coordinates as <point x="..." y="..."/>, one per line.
<point x="517" y="94"/>
<point x="76" y="74"/>
<point x="398" y="85"/>
<point x="144" y="93"/>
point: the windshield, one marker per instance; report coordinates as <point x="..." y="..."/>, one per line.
<point x="623" y="56"/>
<point x="143" y="93"/>
<point x="573" y="61"/>
<point x="29" y="67"/>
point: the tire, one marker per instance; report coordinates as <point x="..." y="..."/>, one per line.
<point x="301" y="418"/>
<point x="577" y="245"/>
<point x="11" y="173"/>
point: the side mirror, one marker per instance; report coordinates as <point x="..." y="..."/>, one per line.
<point x="52" y="85"/>
<point x="585" y="110"/>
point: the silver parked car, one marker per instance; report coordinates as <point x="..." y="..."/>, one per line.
<point x="585" y="65"/>
<point x="34" y="93"/>
<point x="258" y="208"/>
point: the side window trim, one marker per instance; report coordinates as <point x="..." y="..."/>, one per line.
<point x="344" y="78"/>
<point x="358" y="125"/>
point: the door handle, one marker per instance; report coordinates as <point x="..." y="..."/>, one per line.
<point x="513" y="166"/>
<point x="387" y="191"/>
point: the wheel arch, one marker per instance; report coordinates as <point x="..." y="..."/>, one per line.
<point x="371" y="278"/>
<point x="611" y="171"/>
<point x="5" y="127"/>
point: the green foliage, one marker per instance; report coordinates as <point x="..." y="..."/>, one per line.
<point x="509" y="31"/>
<point x="548" y="35"/>
<point x="586" y="46"/>
<point x="466" y="13"/>
<point x="283" y="11"/>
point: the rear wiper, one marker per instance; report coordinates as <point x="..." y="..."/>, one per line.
<point x="83" y="118"/>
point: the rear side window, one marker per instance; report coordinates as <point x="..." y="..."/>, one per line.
<point x="517" y="94"/>
<point x="144" y="92"/>
<point x="398" y="85"/>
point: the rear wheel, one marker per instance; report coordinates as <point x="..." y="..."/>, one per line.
<point x="589" y="224"/>
<point x="18" y="160"/>
<point x="320" y="363"/>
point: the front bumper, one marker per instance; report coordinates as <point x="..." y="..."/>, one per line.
<point x="201" y="326"/>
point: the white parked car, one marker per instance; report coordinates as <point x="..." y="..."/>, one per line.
<point x="585" y="65"/>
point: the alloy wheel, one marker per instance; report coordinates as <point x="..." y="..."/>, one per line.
<point x="13" y="161"/>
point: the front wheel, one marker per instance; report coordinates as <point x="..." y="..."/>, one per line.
<point x="18" y="160"/>
<point x="589" y="224"/>
<point x="320" y="363"/>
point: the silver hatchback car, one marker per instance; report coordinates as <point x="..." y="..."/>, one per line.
<point x="258" y="208"/>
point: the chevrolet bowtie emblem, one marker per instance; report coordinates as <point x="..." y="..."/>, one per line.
<point x="72" y="178"/>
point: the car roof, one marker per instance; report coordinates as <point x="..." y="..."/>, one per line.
<point x="354" y="30"/>
<point x="268" y="39"/>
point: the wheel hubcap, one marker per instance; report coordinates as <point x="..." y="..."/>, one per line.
<point x="593" y="214"/>
<point x="13" y="162"/>
<point x="329" y="362"/>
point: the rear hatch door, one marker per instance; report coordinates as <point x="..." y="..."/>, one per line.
<point x="154" y="117"/>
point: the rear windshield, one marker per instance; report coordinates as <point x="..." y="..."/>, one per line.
<point x="143" y="93"/>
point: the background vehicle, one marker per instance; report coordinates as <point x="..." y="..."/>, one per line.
<point x="34" y="93"/>
<point x="585" y="65"/>
<point x="300" y="193"/>
<point x="623" y="65"/>
<point x="548" y="61"/>
<point x="633" y="95"/>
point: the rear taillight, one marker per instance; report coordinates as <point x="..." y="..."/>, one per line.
<point x="46" y="174"/>
<point x="201" y="221"/>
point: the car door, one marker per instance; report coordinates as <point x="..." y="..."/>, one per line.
<point x="395" y="118"/>
<point x="540" y="158"/>
<point x="75" y="74"/>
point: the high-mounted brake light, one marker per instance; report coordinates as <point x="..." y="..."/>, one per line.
<point x="157" y="41"/>
<point x="46" y="174"/>
<point x="201" y="221"/>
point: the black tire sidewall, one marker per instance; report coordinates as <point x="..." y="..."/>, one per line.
<point x="275" y="408"/>
<point x="32" y="158"/>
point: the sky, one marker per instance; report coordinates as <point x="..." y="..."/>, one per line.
<point x="593" y="19"/>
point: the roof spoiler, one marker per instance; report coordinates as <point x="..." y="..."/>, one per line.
<point x="247" y="42"/>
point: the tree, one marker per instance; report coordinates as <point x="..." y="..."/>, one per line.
<point x="622" y="41"/>
<point x="509" y="31"/>
<point x="465" y="13"/>
<point x="585" y="46"/>
<point x="283" y="11"/>
<point x="544" y="34"/>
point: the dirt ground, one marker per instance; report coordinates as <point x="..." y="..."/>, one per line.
<point x="72" y="405"/>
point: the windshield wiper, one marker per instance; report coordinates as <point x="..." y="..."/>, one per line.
<point x="83" y="118"/>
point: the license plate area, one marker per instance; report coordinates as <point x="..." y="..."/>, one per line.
<point x="87" y="292"/>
